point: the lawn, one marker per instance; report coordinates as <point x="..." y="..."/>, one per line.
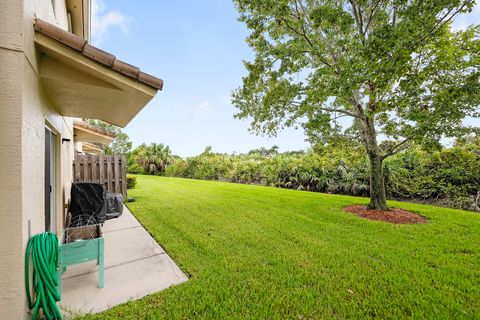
<point x="264" y="253"/>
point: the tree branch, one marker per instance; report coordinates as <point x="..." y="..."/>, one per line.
<point x="339" y="117"/>
<point x="440" y="23"/>
<point x="303" y="35"/>
<point x="370" y="18"/>
<point x="305" y="19"/>
<point x="343" y="111"/>
<point x="357" y="14"/>
<point x="394" y="15"/>
<point x="357" y="105"/>
<point x="396" y="149"/>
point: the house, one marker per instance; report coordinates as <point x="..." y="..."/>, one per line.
<point x="51" y="76"/>
<point x="88" y="138"/>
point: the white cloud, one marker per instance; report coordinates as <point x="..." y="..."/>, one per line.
<point x="103" y="20"/>
<point x="204" y="107"/>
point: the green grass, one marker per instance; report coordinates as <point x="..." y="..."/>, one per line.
<point x="265" y="253"/>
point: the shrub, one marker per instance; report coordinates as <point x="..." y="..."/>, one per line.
<point x="449" y="177"/>
<point x="131" y="182"/>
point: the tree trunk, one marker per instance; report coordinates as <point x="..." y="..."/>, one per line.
<point x="378" y="198"/>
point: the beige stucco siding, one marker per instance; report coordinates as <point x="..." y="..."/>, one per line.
<point x="41" y="9"/>
<point x="11" y="242"/>
<point x="11" y="25"/>
<point x="24" y="111"/>
<point x="37" y="114"/>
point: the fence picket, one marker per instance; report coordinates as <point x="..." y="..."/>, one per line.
<point x="107" y="170"/>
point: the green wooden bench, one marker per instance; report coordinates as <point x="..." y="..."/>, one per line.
<point x="81" y="248"/>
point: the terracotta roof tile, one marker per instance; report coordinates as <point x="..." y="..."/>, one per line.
<point x="126" y="69"/>
<point x="150" y="80"/>
<point x="78" y="43"/>
<point x="98" y="55"/>
<point x="65" y="37"/>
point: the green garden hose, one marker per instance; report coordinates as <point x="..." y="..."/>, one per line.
<point x="43" y="248"/>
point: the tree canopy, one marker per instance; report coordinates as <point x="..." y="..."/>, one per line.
<point x="121" y="144"/>
<point x="396" y="68"/>
<point x="150" y="159"/>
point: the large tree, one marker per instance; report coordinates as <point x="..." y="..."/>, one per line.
<point x="395" y="67"/>
<point x="121" y="144"/>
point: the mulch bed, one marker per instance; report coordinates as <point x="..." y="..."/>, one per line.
<point x="394" y="215"/>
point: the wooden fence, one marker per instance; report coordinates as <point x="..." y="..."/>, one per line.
<point x="108" y="170"/>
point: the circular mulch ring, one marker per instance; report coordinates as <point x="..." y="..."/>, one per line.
<point x="394" y="215"/>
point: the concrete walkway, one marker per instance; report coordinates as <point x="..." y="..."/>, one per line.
<point x="135" y="266"/>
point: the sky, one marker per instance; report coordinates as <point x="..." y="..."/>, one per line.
<point x="197" y="48"/>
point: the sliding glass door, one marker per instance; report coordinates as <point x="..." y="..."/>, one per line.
<point x="50" y="165"/>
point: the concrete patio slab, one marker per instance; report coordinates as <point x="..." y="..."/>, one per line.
<point x="135" y="266"/>
<point x="125" y="221"/>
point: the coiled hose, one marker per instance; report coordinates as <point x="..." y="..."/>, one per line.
<point x="43" y="248"/>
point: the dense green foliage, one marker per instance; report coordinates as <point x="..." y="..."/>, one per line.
<point x="266" y="253"/>
<point x="396" y="69"/>
<point x="449" y="177"/>
<point x="131" y="181"/>
<point x="149" y="159"/>
<point x="120" y="145"/>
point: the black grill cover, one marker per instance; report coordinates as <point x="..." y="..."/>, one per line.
<point x="88" y="198"/>
<point x="114" y="205"/>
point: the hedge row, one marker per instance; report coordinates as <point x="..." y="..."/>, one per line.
<point x="450" y="177"/>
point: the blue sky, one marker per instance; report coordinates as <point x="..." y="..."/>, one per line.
<point x="197" y="48"/>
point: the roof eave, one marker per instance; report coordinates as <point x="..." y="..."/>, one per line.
<point x="87" y="133"/>
<point x="91" y="148"/>
<point x="81" y="87"/>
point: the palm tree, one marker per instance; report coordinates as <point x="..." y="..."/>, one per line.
<point x="155" y="158"/>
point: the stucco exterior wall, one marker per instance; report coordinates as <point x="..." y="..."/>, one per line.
<point x="25" y="110"/>
<point x="37" y="114"/>
<point x="11" y="243"/>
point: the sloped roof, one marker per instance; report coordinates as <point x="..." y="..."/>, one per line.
<point x="79" y="44"/>
<point x="85" y="132"/>
<point x="93" y="128"/>
<point x="91" y="148"/>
